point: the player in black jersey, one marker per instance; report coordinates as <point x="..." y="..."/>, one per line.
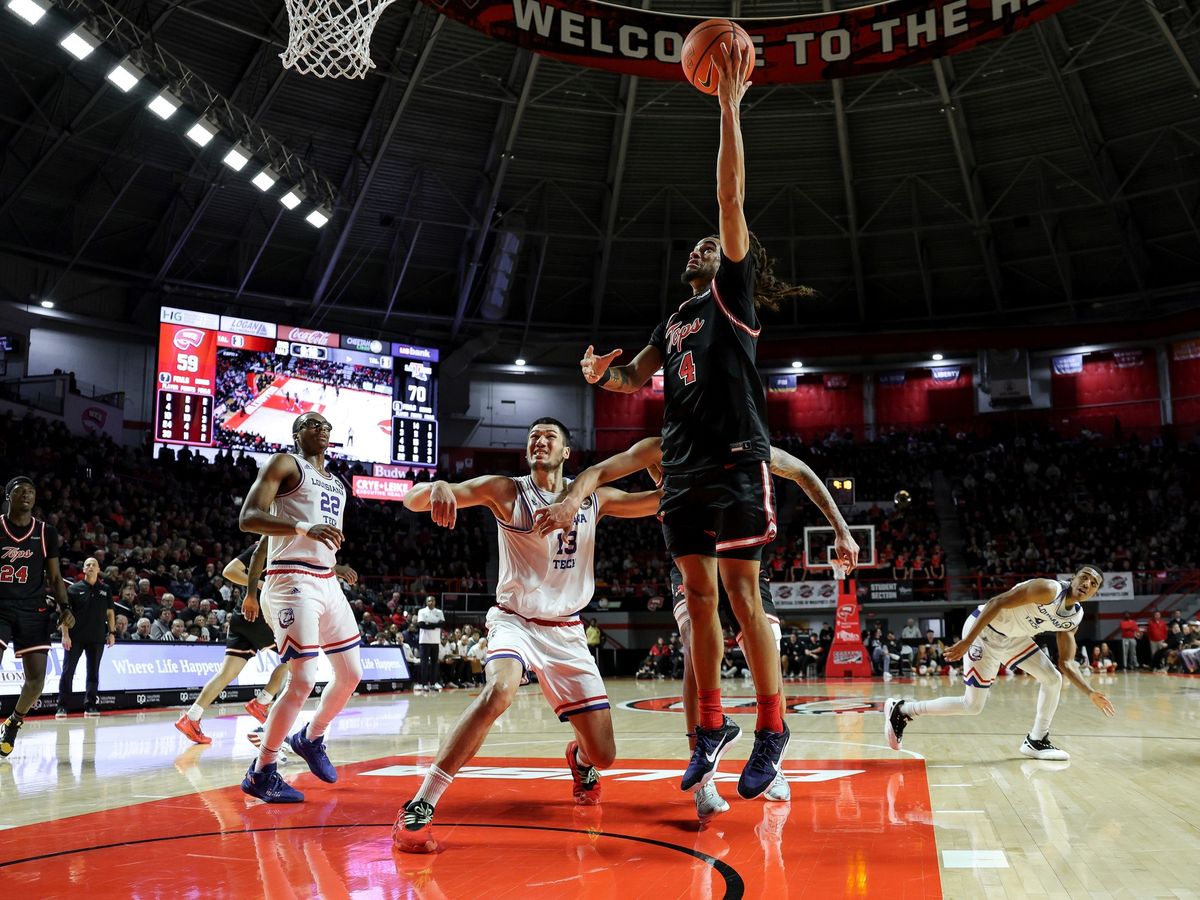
<point x="246" y="638"/>
<point x="717" y="509"/>
<point x="647" y="454"/>
<point x="28" y="571"/>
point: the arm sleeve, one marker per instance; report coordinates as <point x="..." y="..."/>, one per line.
<point x="247" y="555"/>
<point x="734" y="287"/>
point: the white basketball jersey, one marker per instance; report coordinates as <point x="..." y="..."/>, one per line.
<point x="1032" y="618"/>
<point x="316" y="499"/>
<point x="546" y="577"/>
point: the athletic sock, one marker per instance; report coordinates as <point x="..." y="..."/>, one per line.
<point x="265" y="757"/>
<point x="264" y="697"/>
<point x="17" y="717"/>
<point x="195" y="712"/>
<point x="580" y="756"/>
<point x="769" y="715"/>
<point x="711" y="716"/>
<point x="434" y="785"/>
<point x="691" y="736"/>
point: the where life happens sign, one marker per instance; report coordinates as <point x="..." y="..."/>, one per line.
<point x="860" y="41"/>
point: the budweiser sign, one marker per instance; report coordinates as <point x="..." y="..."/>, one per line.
<point x="308" y="336"/>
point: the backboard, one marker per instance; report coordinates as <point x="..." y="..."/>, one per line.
<point x="819" y="550"/>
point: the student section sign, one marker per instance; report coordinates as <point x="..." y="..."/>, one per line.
<point x="860" y="41"/>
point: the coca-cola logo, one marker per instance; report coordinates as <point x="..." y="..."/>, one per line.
<point x="309" y="336"/>
<point x="188" y="338"/>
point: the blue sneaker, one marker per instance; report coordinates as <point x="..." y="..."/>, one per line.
<point x="711" y="745"/>
<point x="313" y="753"/>
<point x="269" y="785"/>
<point x="764" y="763"/>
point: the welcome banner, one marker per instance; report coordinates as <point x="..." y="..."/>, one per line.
<point x="859" y="41"/>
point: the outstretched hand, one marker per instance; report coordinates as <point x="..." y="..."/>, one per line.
<point x="555" y="517"/>
<point x="594" y="366"/>
<point x="1102" y="703"/>
<point x="733" y="68"/>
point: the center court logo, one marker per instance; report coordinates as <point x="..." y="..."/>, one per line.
<point x="798" y="705"/>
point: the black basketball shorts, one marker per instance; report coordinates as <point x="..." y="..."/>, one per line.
<point x="246" y="638"/>
<point x="728" y="513"/>
<point x="26" y="627"/>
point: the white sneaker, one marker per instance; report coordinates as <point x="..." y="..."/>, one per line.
<point x="437" y="686"/>
<point x="418" y="689"/>
<point x="779" y="791"/>
<point x="1042" y="749"/>
<point x="709" y="802"/>
<point x="60" y="713"/>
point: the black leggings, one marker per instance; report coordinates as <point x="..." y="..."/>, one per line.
<point x="94" y="651"/>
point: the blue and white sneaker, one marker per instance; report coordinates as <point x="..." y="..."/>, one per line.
<point x="313" y="753"/>
<point x="269" y="786"/>
<point x="711" y="745"/>
<point x="764" y="763"/>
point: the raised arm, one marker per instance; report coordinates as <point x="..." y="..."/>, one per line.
<point x="731" y="158"/>
<point x="256" y="519"/>
<point x="787" y="466"/>
<point x="624" y="505"/>
<point x="1070" y="668"/>
<point x="644" y="454"/>
<point x="1034" y="591"/>
<point x="442" y="500"/>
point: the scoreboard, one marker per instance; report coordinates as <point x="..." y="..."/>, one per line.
<point x="414" y="410"/>
<point x="225" y="382"/>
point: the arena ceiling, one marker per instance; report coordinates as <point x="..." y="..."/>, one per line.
<point x="1048" y="177"/>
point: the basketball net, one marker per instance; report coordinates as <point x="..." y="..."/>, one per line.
<point x="331" y="38"/>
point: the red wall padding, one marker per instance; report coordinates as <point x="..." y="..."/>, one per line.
<point x="1185" y="391"/>
<point x="812" y="410"/>
<point x="1103" y="392"/>
<point x="921" y="401"/>
<point x="624" y="419"/>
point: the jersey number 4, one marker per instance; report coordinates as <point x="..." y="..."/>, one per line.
<point x="687" y="368"/>
<point x="8" y="574"/>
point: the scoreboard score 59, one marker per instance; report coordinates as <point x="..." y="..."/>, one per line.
<point x="222" y="378"/>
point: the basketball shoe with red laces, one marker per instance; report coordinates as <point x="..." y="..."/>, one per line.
<point x="586" y="786"/>
<point x="191" y="730"/>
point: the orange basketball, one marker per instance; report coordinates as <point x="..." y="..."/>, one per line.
<point x="703" y="46"/>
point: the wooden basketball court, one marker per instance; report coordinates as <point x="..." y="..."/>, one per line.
<point x="124" y="806"/>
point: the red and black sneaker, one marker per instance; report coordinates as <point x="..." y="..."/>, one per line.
<point x="413" y="830"/>
<point x="586" y="787"/>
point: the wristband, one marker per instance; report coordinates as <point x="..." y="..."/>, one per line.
<point x="303" y="527"/>
<point x="603" y="379"/>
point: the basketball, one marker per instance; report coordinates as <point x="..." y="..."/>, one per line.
<point x="702" y="48"/>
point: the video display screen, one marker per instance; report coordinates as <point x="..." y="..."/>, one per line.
<point x="234" y="383"/>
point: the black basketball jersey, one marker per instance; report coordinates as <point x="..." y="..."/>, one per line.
<point x="23" y="554"/>
<point x="716" y="408"/>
